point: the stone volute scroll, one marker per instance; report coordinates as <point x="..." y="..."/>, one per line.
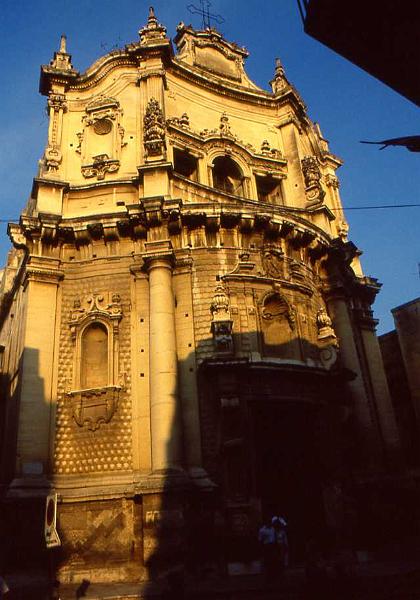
<point x="222" y="323"/>
<point x="97" y="382"/>
<point x="56" y="106"/>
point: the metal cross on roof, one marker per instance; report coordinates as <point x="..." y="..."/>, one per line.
<point x="205" y="13"/>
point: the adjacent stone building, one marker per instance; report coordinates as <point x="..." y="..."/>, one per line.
<point x="186" y="332"/>
<point x="401" y="355"/>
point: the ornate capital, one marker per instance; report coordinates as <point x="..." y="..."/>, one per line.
<point x="159" y="253"/>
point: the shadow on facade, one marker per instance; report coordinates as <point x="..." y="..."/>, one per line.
<point x="278" y="437"/>
<point x="24" y="481"/>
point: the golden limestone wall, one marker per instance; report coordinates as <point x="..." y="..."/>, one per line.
<point x="183" y="263"/>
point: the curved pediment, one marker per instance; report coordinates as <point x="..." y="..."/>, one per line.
<point x="209" y="52"/>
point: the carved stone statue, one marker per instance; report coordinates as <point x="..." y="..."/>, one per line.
<point x="312" y="176"/>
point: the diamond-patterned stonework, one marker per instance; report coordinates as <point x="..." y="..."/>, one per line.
<point x="79" y="450"/>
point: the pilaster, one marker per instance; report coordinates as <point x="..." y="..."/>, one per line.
<point x="373" y="359"/>
<point x="37" y="402"/>
<point x="338" y="309"/>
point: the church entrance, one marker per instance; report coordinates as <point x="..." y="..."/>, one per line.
<point x="288" y="478"/>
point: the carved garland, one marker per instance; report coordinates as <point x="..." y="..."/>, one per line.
<point x="154" y="129"/>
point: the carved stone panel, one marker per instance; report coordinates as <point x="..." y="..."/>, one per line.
<point x="102" y="138"/>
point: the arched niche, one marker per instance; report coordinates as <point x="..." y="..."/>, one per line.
<point x="94" y="356"/>
<point x="94" y="390"/>
<point x="278" y="329"/>
<point x="227" y="176"/>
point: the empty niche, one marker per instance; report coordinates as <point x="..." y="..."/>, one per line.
<point x="278" y="328"/>
<point x="94" y="363"/>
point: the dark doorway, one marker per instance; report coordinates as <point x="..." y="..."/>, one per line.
<point x="288" y="478"/>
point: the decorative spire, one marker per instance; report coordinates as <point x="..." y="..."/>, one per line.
<point x="279" y="72"/>
<point x="63" y="44"/>
<point x="62" y="60"/>
<point x="152" y="22"/>
<point x="153" y="31"/>
<point x="279" y="83"/>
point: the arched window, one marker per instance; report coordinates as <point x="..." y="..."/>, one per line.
<point x="94" y="357"/>
<point x="227" y="176"/>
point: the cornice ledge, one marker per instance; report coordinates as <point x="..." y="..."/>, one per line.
<point x="214" y="82"/>
<point x="100" y="68"/>
<point x="285" y="283"/>
<point x="42" y="275"/>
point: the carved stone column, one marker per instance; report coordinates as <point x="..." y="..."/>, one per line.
<point x="166" y="435"/>
<point x="361" y="403"/>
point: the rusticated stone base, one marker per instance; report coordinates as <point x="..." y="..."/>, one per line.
<point x="102" y="540"/>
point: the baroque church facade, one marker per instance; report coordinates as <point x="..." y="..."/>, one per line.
<point x="187" y="340"/>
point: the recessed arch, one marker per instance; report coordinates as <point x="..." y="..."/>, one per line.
<point x="94" y="356"/>
<point x="228" y="176"/>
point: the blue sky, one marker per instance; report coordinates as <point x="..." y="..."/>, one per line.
<point x="348" y="104"/>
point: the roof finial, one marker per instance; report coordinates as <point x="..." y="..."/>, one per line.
<point x="63" y="44"/>
<point x="279" y="83"/>
<point x="152" y="21"/>
<point x="62" y="60"/>
<point x="279" y="68"/>
<point x="153" y="30"/>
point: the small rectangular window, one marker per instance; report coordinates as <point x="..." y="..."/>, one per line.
<point x="185" y="164"/>
<point x="269" y="189"/>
